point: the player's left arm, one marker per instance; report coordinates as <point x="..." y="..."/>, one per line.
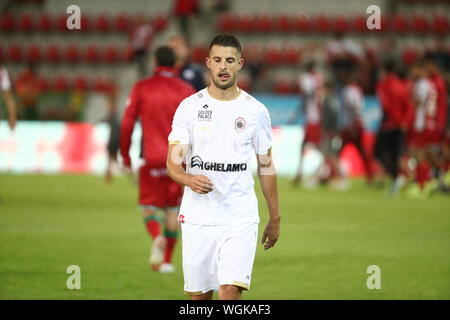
<point x="268" y="180"/>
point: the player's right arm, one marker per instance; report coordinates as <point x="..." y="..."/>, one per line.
<point x="126" y="129"/>
<point x="198" y="183"/>
<point x="178" y="146"/>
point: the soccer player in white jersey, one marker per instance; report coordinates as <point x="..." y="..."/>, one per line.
<point x="5" y="89"/>
<point x="216" y="131"/>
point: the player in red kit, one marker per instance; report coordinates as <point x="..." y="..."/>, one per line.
<point x="154" y="100"/>
<point x="398" y="113"/>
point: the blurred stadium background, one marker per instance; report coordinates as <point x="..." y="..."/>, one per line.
<point x="65" y="82"/>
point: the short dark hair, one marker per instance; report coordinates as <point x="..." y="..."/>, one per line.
<point x="165" y="56"/>
<point x="226" y="40"/>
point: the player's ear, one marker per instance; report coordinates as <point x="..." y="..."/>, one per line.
<point x="208" y="62"/>
<point x="241" y="63"/>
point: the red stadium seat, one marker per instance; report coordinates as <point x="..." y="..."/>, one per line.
<point x="273" y="54"/>
<point x="283" y="86"/>
<point x="292" y="55"/>
<point x="91" y="54"/>
<point x="14" y="53"/>
<point x="440" y="23"/>
<point x="409" y="56"/>
<point x="103" y="85"/>
<point x="45" y="23"/>
<point x="61" y="23"/>
<point x="263" y="23"/>
<point x="25" y="23"/>
<point x="226" y="22"/>
<point x="341" y="24"/>
<point x="71" y="54"/>
<point x="53" y="54"/>
<point x="43" y="83"/>
<point x="85" y="23"/>
<point x="160" y="23"/>
<point x="321" y="23"/>
<point x="1" y="54"/>
<point x="251" y="52"/>
<point x="400" y="24"/>
<point x="245" y="23"/>
<point x="101" y="23"/>
<point x="420" y="24"/>
<point x="121" y="23"/>
<point x="302" y="23"/>
<point x="359" y="24"/>
<point x="7" y="23"/>
<point x="111" y="54"/>
<point x="199" y="54"/>
<point x="283" y="23"/>
<point x="60" y="84"/>
<point x="33" y="54"/>
<point x="80" y="83"/>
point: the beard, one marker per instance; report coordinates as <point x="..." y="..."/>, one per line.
<point x="223" y="86"/>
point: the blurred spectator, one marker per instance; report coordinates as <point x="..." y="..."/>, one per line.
<point x="114" y="136"/>
<point x="330" y="142"/>
<point x="343" y="53"/>
<point x="351" y="123"/>
<point x="28" y="91"/>
<point x="140" y="40"/>
<point x="311" y="92"/>
<point x="189" y="71"/>
<point x="183" y="11"/>
<point x="5" y="88"/>
<point x="397" y="109"/>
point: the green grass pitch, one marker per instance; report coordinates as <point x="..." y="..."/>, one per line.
<point x="328" y="239"/>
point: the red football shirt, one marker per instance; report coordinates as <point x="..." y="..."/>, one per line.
<point x="395" y="99"/>
<point x="154" y="100"/>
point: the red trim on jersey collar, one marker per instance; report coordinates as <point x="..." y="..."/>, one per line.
<point x="166" y="72"/>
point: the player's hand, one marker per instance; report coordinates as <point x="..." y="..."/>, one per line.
<point x="128" y="171"/>
<point x="200" y="184"/>
<point x="271" y="234"/>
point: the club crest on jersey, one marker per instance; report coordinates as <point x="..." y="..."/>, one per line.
<point x="239" y="124"/>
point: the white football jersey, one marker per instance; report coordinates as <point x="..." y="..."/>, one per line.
<point x="310" y="85"/>
<point x="223" y="136"/>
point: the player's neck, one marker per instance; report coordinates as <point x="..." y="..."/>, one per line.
<point x="226" y="95"/>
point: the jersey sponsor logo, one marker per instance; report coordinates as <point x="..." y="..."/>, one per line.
<point x="196" y="161"/>
<point x="204" y="115"/>
<point x="239" y="124"/>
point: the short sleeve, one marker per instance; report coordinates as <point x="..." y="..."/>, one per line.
<point x="5" y="83"/>
<point x="262" y="139"/>
<point x="180" y="125"/>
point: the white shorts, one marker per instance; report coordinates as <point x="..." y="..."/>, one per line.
<point x="215" y="255"/>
